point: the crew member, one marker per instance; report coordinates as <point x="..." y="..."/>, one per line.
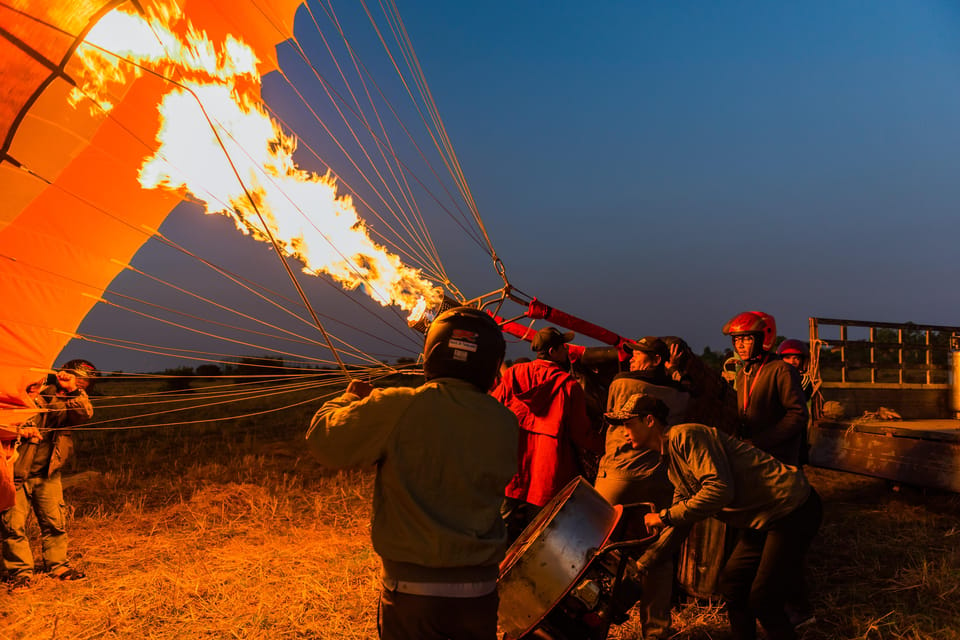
<point x="37" y="477"/>
<point x="551" y="408"/>
<point x="628" y="475"/>
<point x="773" y="410"/>
<point x="444" y="453"/>
<point x="771" y="505"/>
<point x="713" y="400"/>
<point x="797" y="355"/>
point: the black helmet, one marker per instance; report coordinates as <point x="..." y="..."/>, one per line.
<point x="83" y="370"/>
<point x="464" y="343"/>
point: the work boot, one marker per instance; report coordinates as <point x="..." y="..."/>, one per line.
<point x="19" y="581"/>
<point x="70" y="574"/>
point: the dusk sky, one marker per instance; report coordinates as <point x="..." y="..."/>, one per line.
<point x="658" y="167"/>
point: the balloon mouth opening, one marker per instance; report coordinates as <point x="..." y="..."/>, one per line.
<point x="424" y="314"/>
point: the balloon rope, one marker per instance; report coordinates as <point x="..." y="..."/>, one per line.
<point x="401" y="124"/>
<point x="275" y="380"/>
<point x="290" y="335"/>
<point x="242" y="282"/>
<point x="381" y="142"/>
<point x="454" y="163"/>
<point x="231" y="277"/>
<point x="93" y="426"/>
<point x="426" y="240"/>
<point x="397" y="209"/>
<point x="185" y="354"/>
<point x="102" y="340"/>
<point x="421" y="256"/>
<point x="253" y="204"/>
<point x="417" y="106"/>
<point x="437" y="267"/>
<point x="202" y="332"/>
<point x="181" y="395"/>
<point x="260" y="394"/>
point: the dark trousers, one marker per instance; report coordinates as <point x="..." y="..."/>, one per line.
<point x="403" y="616"/>
<point x="516" y="515"/>
<point x="764" y="570"/>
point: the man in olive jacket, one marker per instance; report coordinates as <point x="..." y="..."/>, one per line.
<point x="772" y="506"/>
<point x="444" y="453"/>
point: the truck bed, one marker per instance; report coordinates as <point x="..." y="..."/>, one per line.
<point x="923" y="453"/>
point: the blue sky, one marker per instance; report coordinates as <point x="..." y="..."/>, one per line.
<point x="658" y="167"/>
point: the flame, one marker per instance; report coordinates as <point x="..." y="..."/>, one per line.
<point x="217" y="144"/>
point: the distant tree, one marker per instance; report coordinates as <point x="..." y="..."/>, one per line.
<point x="260" y="366"/>
<point x="208" y="370"/>
<point x="178" y="379"/>
<point x="713" y="359"/>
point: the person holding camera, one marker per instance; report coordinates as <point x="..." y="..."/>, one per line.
<point x="63" y="399"/>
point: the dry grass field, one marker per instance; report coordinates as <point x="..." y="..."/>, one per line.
<point x="227" y="529"/>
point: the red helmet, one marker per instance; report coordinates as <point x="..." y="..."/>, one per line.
<point x="753" y="322"/>
<point x="793" y="347"/>
<point x="770" y="334"/>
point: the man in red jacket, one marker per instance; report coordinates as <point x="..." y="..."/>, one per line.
<point x="551" y="408"/>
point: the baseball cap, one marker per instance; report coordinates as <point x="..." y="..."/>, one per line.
<point x="550" y="337"/>
<point x="639" y="405"/>
<point x="648" y="344"/>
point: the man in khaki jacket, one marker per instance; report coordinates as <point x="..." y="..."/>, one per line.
<point x="444" y="453"/>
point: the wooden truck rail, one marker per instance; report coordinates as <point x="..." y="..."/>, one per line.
<point x="864" y="374"/>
